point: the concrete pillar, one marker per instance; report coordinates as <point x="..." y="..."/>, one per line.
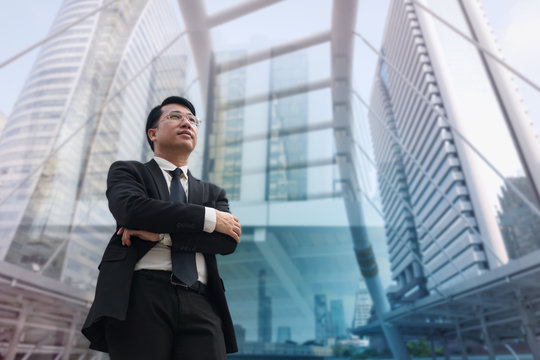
<point x="445" y="349"/>
<point x="12" y="349"/>
<point x="432" y="346"/>
<point x="528" y="324"/>
<point x="487" y="339"/>
<point x="461" y="342"/>
<point x="71" y="336"/>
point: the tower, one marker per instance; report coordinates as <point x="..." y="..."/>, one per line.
<point x="265" y="310"/>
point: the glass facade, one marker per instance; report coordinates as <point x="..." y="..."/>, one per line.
<point x="61" y="216"/>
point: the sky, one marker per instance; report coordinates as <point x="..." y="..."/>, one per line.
<point x="515" y="24"/>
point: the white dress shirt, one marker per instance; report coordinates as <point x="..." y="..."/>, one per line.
<point x="159" y="256"/>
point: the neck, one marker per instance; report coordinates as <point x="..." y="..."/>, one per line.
<point x="178" y="159"/>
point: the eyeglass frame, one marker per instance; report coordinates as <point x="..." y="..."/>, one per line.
<point x="197" y="122"/>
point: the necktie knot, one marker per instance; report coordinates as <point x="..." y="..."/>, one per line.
<point x="176" y="173"/>
<point x="177" y="193"/>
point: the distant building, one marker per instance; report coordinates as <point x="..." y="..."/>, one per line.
<point x="337" y="318"/>
<point x="265" y="310"/>
<point x="362" y="306"/>
<point x="240" y="333"/>
<point x="321" y="319"/>
<point x="224" y="145"/>
<point x="519" y="224"/>
<point x="283" y="334"/>
<point x="287" y="155"/>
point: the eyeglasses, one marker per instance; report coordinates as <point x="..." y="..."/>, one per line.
<point x="178" y="116"/>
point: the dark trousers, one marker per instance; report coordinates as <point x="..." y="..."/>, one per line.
<point x="165" y="322"/>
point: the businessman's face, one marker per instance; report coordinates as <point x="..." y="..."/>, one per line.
<point x="176" y="129"/>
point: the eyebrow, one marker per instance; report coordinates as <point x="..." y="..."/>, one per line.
<point x="178" y="111"/>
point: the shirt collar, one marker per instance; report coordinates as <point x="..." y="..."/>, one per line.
<point x="166" y="165"/>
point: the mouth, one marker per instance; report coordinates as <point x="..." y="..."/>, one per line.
<point x="185" y="133"/>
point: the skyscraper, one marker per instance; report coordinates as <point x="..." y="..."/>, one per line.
<point x="283" y="334"/>
<point x="438" y="195"/>
<point x="224" y="147"/>
<point x="400" y="229"/>
<point x="287" y="155"/>
<point x="431" y="225"/>
<point x="321" y="318"/>
<point x="519" y="225"/>
<point x="265" y="310"/>
<point x="337" y="318"/>
<point x="362" y="306"/>
<point x="82" y="107"/>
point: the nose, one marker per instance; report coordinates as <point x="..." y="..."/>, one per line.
<point x="185" y="122"/>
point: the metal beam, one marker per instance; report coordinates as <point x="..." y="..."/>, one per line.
<point x="265" y="97"/>
<point x="342" y="51"/>
<point x="19" y="327"/>
<point x="281" y="132"/>
<point x="290" y="277"/>
<point x="237" y="11"/>
<point x="274" y="51"/>
<point x="195" y="20"/>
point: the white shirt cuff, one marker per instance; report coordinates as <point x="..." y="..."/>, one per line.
<point x="209" y="219"/>
<point x="165" y="239"/>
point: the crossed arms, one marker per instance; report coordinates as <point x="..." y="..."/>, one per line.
<point x="138" y="214"/>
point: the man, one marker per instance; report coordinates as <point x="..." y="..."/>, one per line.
<point x="159" y="294"/>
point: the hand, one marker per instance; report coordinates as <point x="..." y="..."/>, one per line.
<point x="228" y="224"/>
<point x="141" y="234"/>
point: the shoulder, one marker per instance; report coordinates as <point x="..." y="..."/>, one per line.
<point x="123" y="168"/>
<point x="211" y="187"/>
<point x="127" y="164"/>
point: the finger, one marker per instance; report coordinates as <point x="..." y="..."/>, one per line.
<point x="126" y="238"/>
<point x="234" y="235"/>
<point x="120" y="231"/>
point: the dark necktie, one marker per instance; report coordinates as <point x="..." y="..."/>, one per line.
<point x="183" y="263"/>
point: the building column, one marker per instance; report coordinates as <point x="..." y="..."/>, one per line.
<point x="445" y="349"/>
<point x="71" y="336"/>
<point x="487" y="339"/>
<point x="432" y="346"/>
<point x="461" y="342"/>
<point x="12" y="349"/>
<point x="528" y="324"/>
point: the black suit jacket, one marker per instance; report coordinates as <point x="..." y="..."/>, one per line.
<point x="139" y="199"/>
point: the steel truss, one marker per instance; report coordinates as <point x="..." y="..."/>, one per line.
<point x="41" y="316"/>
<point x="499" y="306"/>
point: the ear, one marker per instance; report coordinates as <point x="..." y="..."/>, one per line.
<point x="152" y="133"/>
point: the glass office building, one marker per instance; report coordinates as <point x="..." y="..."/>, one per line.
<point x="437" y="195"/>
<point x="78" y="113"/>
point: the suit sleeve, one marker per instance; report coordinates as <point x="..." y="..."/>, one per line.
<point x="132" y="207"/>
<point x="208" y="243"/>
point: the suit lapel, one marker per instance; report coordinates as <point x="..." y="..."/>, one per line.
<point x="195" y="190"/>
<point x="159" y="180"/>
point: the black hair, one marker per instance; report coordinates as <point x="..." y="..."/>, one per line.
<point x="155" y="113"/>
